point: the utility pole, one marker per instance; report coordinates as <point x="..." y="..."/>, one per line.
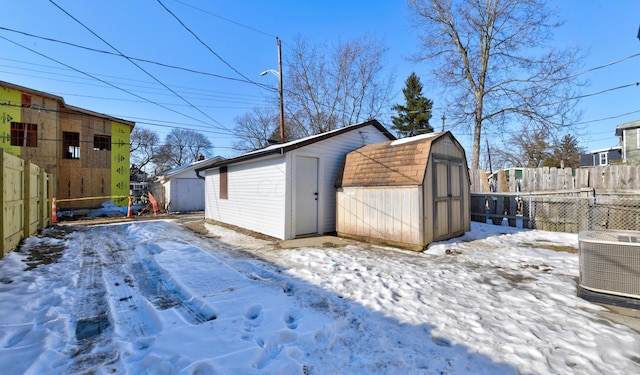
<point x="281" y="95"/>
<point x="443" y="118"/>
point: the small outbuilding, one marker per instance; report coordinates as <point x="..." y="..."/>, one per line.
<point x="285" y="190"/>
<point x="408" y="192"/>
<point x="180" y="189"/>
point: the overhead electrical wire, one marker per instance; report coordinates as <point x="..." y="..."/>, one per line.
<point x="247" y="80"/>
<point x="158" y="123"/>
<point x="272" y="88"/>
<point x="139" y="67"/>
<point x="137" y="59"/>
<point x="101" y="80"/>
<point x="226" y="19"/>
<point x="225" y="96"/>
<point x="205" y="44"/>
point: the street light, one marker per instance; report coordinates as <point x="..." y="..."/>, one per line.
<point x="278" y="74"/>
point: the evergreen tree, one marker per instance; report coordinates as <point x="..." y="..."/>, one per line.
<point x="413" y="117"/>
<point x="566" y="153"/>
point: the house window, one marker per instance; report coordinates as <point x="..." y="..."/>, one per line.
<point x="101" y="142"/>
<point x="638" y="138"/>
<point x="70" y="145"/>
<point x="603" y="158"/>
<point x="223" y="183"/>
<point x="24" y="135"/>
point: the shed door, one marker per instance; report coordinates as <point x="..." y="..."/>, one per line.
<point x="448" y="203"/>
<point x="306" y="195"/>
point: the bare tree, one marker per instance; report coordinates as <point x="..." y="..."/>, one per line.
<point x="494" y="59"/>
<point x="325" y="88"/>
<point x="260" y="128"/>
<point x="141" y="150"/>
<point x="181" y="146"/>
<point x="528" y="148"/>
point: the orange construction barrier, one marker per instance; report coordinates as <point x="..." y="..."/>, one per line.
<point x="154" y="203"/>
<point x="54" y="211"/>
<point x="130" y="209"/>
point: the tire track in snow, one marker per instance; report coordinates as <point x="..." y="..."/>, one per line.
<point x="94" y="347"/>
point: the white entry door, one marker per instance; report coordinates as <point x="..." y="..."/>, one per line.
<point x="306" y="195"/>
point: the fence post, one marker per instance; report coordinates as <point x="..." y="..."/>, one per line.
<point x="3" y="242"/>
<point x="497" y="209"/>
<point x="50" y="192"/>
<point x="42" y="200"/>
<point x="512" y="204"/>
<point x="531" y="213"/>
<point x="26" y="198"/>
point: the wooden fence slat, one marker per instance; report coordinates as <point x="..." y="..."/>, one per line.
<point x="20" y="200"/>
<point x="623" y="178"/>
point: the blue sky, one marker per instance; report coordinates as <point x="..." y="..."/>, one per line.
<point x="242" y="35"/>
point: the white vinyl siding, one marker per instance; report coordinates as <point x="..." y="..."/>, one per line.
<point x="184" y="192"/>
<point x="261" y="190"/>
<point x="186" y="195"/>
<point x="256" y="196"/>
<point x="332" y="152"/>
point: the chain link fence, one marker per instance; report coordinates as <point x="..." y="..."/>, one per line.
<point x="557" y="213"/>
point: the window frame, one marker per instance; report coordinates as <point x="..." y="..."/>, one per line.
<point x="101" y="142"/>
<point x="601" y="156"/>
<point x="71" y="145"/>
<point x="24" y="134"/>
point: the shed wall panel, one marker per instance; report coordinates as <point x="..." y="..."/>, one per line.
<point x="383" y="213"/>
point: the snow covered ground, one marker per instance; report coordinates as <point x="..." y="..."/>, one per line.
<point x="154" y="297"/>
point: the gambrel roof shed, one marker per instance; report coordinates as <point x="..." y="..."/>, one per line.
<point x="408" y="192"/>
<point x="285" y="190"/>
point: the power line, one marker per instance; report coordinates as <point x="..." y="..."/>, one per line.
<point x="101" y="80"/>
<point x="227" y="96"/>
<point x="171" y="124"/>
<point x="605" y="65"/>
<point x="137" y="59"/>
<point x="138" y="66"/>
<point x="205" y="44"/>
<point x="608" y="118"/>
<point x="226" y="19"/>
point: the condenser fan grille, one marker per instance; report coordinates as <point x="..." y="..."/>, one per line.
<point x="610" y="262"/>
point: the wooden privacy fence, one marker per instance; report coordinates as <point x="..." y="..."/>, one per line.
<point x="25" y="199"/>
<point x="610" y="178"/>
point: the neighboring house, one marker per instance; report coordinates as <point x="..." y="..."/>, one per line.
<point x="408" y="192"/>
<point x="181" y="190"/>
<point x="285" y="190"/>
<point x="629" y="134"/>
<point x="87" y="152"/>
<point x="601" y="157"/>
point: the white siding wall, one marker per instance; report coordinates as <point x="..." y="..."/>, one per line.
<point x="256" y="196"/>
<point x="184" y="191"/>
<point x="166" y="187"/>
<point x="186" y="194"/>
<point x="331" y="153"/>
